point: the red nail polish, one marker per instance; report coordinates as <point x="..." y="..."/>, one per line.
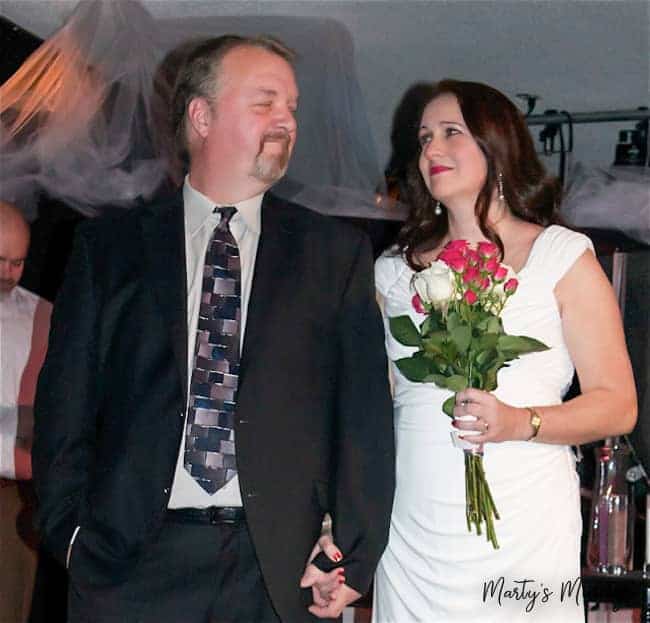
<point x="341" y="580"/>
<point x="337" y="557"/>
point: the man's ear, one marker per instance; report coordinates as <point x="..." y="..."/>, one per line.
<point x="199" y="116"/>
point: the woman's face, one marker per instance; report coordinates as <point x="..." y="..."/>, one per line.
<point x="451" y="162"/>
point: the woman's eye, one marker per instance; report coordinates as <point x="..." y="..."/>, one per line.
<point x="423" y="139"/>
<point x="451" y="131"/>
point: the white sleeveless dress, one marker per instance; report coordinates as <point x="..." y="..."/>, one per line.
<point x="433" y="569"/>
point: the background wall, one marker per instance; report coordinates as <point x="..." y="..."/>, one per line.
<point x="578" y="55"/>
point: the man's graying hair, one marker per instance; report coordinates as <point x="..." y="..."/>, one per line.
<point x="198" y="76"/>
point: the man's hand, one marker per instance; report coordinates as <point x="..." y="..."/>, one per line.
<point x="339" y="599"/>
<point x="329" y="592"/>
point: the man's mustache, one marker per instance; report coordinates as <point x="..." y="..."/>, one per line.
<point x="276" y="135"/>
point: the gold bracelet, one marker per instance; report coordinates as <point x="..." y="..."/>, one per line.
<point x="535" y="422"/>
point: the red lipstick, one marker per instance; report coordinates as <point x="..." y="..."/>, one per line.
<point x="438" y="168"/>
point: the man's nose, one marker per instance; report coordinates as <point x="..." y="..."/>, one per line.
<point x="287" y="120"/>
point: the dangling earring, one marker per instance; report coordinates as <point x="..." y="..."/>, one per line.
<point x="438" y="209"/>
<point x="500" y="186"/>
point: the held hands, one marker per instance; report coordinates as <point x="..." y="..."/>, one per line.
<point x="329" y="591"/>
<point x="495" y="420"/>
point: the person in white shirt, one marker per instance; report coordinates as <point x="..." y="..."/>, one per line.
<point x="24" y="326"/>
<point x="216" y="381"/>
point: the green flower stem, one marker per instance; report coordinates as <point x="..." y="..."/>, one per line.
<point x="476" y="496"/>
<point x="480" y="507"/>
<point x="488" y="493"/>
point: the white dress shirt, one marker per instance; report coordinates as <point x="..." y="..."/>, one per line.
<point x="200" y="221"/>
<point x="17" y="311"/>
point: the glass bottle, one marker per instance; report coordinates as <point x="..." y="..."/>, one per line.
<point x="611" y="525"/>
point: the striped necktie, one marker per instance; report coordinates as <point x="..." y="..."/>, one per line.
<point x="210" y="435"/>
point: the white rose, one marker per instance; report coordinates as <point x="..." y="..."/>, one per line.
<point x="435" y="284"/>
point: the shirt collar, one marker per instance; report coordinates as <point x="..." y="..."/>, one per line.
<point x="12" y="297"/>
<point x="199" y="208"/>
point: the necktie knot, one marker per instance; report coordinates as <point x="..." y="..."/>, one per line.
<point x="226" y="212"/>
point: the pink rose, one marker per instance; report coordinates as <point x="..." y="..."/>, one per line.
<point x="457" y="245"/>
<point x="473" y="257"/>
<point x="454" y="259"/>
<point x="485" y="283"/>
<point x="471" y="275"/>
<point x="500" y="273"/>
<point x="491" y="265"/>
<point x="470" y="297"/>
<point x="458" y="263"/>
<point x="416" y="301"/>
<point x="487" y="249"/>
<point x="510" y="286"/>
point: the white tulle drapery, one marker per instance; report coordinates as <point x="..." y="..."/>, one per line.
<point x="614" y="198"/>
<point x="85" y="119"/>
<point x="77" y="116"/>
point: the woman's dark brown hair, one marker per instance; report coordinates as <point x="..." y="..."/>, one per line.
<point x="502" y="135"/>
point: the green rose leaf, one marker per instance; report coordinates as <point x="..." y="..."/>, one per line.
<point x="456" y="383"/>
<point x="490" y="375"/>
<point x="439" y="379"/>
<point x="404" y="331"/>
<point x="480" y="324"/>
<point x="461" y="337"/>
<point x="415" y="369"/>
<point x="426" y="326"/>
<point x="515" y="345"/>
<point x="433" y="322"/>
<point x="494" y="325"/>
<point x="434" y="342"/>
<point x="450" y="351"/>
<point x="453" y="320"/>
<point x="448" y="406"/>
<point x="440" y="364"/>
<point x="430" y="347"/>
<point x="477" y="379"/>
<point x="486" y="358"/>
<point x="488" y="341"/>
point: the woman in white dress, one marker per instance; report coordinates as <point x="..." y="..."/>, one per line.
<point x="478" y="178"/>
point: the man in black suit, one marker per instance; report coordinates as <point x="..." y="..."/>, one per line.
<point x="181" y="480"/>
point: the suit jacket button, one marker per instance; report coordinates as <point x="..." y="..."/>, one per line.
<point x="166" y="490"/>
<point x="251" y="494"/>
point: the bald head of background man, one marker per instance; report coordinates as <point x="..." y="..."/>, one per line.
<point x="14" y="243"/>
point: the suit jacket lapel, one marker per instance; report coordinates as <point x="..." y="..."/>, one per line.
<point x="274" y="260"/>
<point x="163" y="233"/>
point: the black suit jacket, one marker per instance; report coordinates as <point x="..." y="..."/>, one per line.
<point x="313" y="421"/>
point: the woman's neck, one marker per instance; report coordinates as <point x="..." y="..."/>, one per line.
<point x="464" y="225"/>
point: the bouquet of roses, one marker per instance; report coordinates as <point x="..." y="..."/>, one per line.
<point x="461" y="343"/>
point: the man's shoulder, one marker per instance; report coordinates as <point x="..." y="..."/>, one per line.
<point x="122" y="221"/>
<point x="303" y="218"/>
